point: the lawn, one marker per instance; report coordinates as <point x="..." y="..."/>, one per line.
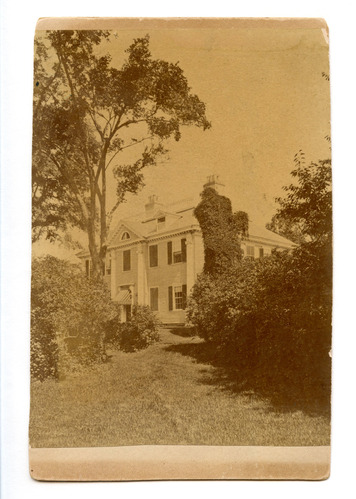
<point x="164" y="395"/>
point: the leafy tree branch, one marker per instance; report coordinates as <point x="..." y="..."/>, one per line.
<point x="84" y="105"/>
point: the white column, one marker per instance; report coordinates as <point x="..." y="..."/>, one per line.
<point x="113" y="277"/>
<point x="141" y="276"/>
<point x="190" y="262"/>
<point x="134" y="300"/>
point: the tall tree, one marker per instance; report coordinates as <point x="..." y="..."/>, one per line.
<point x="87" y="112"/>
<point x="305" y="213"/>
<point x="286" y="227"/>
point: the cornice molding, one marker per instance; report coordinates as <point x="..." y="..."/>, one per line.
<point x="154" y="238"/>
<point x="129" y="243"/>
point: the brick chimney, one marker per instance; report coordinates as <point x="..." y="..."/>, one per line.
<point x="152" y="206"/>
<point x="214" y="182"/>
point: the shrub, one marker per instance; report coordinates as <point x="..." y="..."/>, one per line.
<point x="218" y="302"/>
<point x="68" y="317"/>
<point x="140" y="331"/>
<point x="271" y="315"/>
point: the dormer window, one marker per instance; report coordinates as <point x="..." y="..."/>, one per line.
<point x="161" y="222"/>
<point x="125" y="235"/>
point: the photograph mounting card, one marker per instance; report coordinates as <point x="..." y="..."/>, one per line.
<point x="181" y="286"/>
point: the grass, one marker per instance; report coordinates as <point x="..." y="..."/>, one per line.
<point x="163" y="395"/>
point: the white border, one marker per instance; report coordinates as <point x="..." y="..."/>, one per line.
<point x="18" y="19"/>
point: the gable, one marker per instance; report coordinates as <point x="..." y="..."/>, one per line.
<point x="124" y="234"/>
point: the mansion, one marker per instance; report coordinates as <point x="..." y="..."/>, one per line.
<point x="154" y="259"/>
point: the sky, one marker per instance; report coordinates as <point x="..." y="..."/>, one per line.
<point x="266" y="99"/>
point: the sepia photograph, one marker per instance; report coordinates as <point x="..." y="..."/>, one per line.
<point x="181" y="287"/>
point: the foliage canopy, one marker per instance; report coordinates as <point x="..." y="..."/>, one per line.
<point x="87" y="111"/>
<point x="305" y="213"/>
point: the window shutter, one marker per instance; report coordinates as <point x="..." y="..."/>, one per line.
<point x="184" y="293"/>
<point x="126" y="260"/>
<point x="87" y="267"/>
<point x="154" y="299"/>
<point x="169" y="252"/>
<point x="170" y="298"/>
<point x="184" y="249"/>
<point x="154" y="256"/>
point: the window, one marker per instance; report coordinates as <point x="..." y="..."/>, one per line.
<point x="177" y="256"/>
<point x="125" y="235"/>
<point x="161" y="220"/>
<point x="261" y="252"/>
<point x="177" y="297"/>
<point x="153" y="255"/>
<point x="154" y="299"/>
<point x="126" y="261"/>
<point x="250" y="251"/>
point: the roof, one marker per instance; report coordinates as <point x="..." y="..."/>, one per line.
<point x="146" y="228"/>
<point x="184" y="220"/>
<point x="259" y="232"/>
<point x="179" y="221"/>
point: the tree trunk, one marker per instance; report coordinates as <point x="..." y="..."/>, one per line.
<point x="102" y="199"/>
<point x="91" y="229"/>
